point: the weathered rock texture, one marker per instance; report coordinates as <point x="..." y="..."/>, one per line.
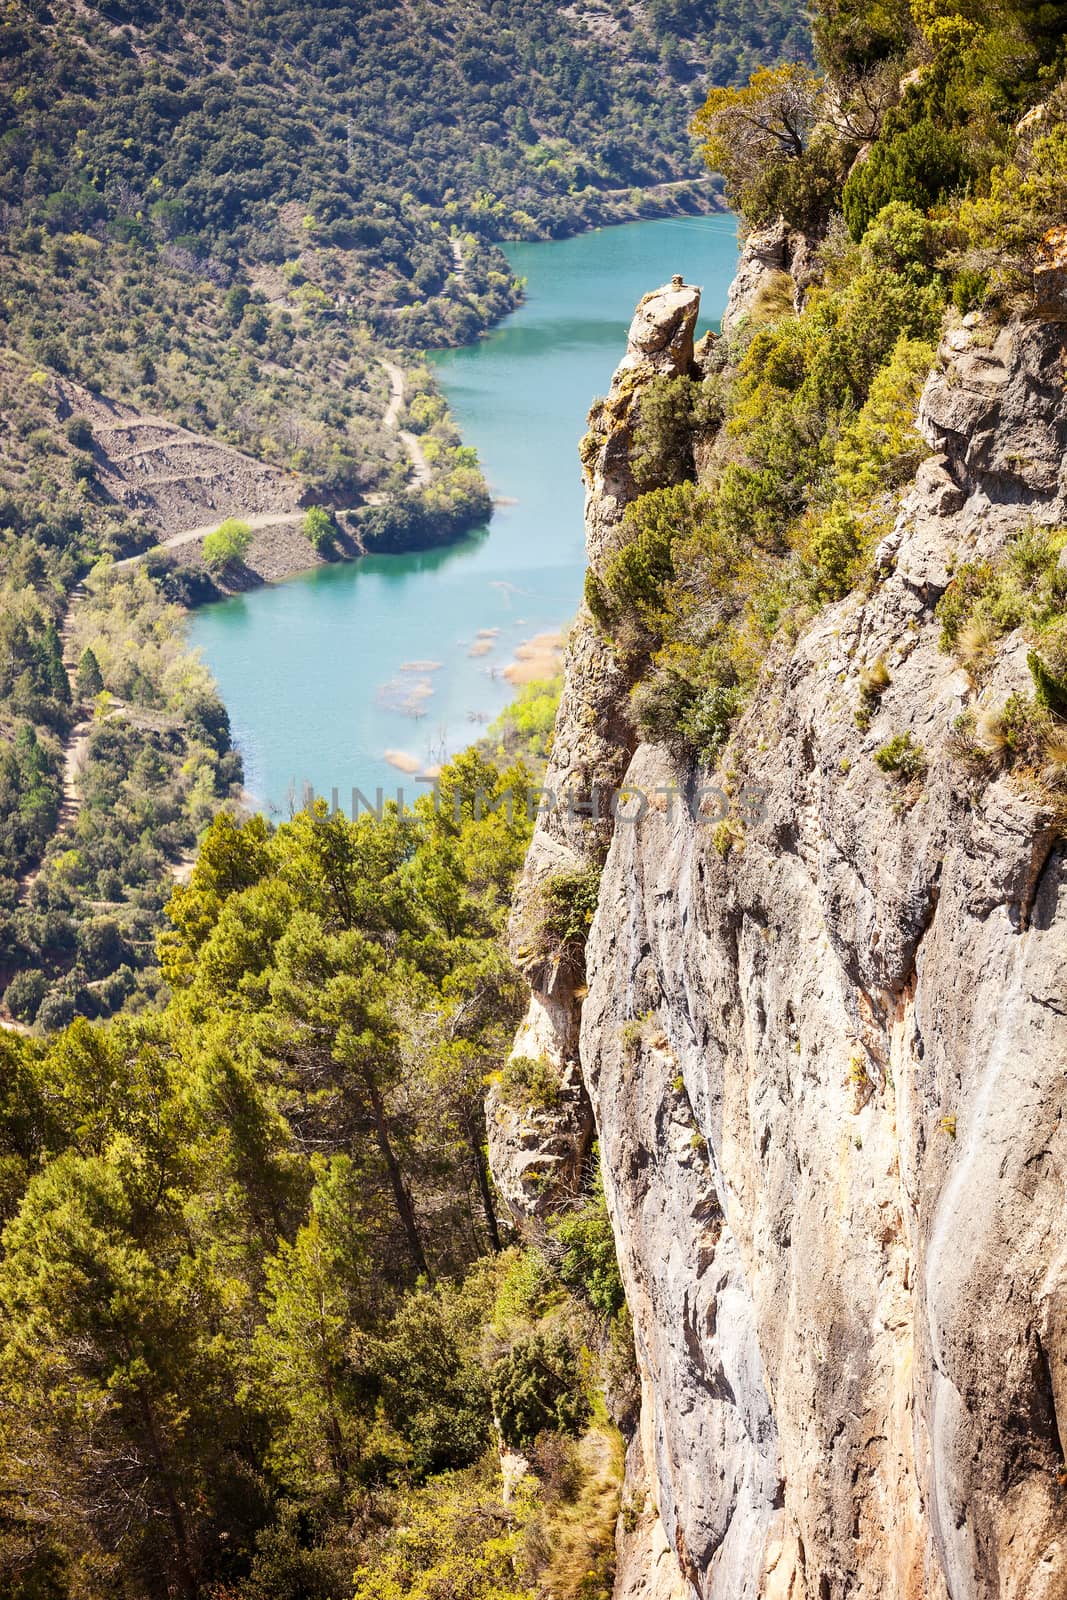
<point x="776" y="264"/>
<point x="176" y="479"/>
<point x="537" y="1154"/>
<point x="828" y="1074"/>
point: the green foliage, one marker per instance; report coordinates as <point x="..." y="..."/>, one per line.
<point x="79" y="430"/>
<point x="228" y="544"/>
<point x="1025" y="588"/>
<point x="630" y="603"/>
<point x="901" y="758"/>
<point x="1050" y="688"/>
<point x="920" y="165"/>
<point x="758" y="136"/>
<point x="901" y="237"/>
<point x="419" y="519"/>
<point x="455" y="1537"/>
<point x="24" y="994"/>
<point x="1021" y="732"/>
<point x="530" y="1081"/>
<point x="662" y="450"/>
<point x="524" y="729"/>
<point x="560" y="915"/>
<point x="708" y="715"/>
<point x="522" y="1290"/>
<point x="249" y="1183"/>
<point x="818" y="429"/>
<point x="589" y="1265"/>
<point x="536" y="1387"/>
<point x="319" y="529"/>
<point x="636" y="575"/>
<point x="881" y="448"/>
<point x="90" y="679"/>
<point x="153" y="772"/>
<point x="836" y="552"/>
<point x="1026" y="197"/>
<point x="431" y="1379"/>
<point x="969" y="288"/>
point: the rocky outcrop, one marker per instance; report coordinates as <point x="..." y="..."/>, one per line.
<point x="537" y="1153"/>
<point x="776" y="268"/>
<point x="825" y="1053"/>
<point x="1050" y="274"/>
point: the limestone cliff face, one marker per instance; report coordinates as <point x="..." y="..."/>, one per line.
<point x="537" y="1153"/>
<point x="828" y="1072"/>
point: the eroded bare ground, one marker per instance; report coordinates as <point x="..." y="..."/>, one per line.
<point x="177" y="480"/>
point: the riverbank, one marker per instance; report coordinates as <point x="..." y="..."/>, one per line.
<point x="279" y="549"/>
<point x="313" y="670"/>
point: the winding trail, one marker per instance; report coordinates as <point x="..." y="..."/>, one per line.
<point x="255" y="519"/>
<point x="274" y="519"/>
<point x="74" y="747"/>
<point x="391" y="419"/>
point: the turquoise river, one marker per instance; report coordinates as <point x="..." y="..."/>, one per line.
<point x="328" y="672"/>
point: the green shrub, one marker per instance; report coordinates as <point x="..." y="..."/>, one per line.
<point x="1022" y="732"/>
<point x="56" y="1011"/>
<point x="1050" y="688"/>
<point x="1025" y="587"/>
<point x="523" y="1288"/>
<point x="920" y="165"/>
<point x="562" y="912"/>
<point x="969" y="288"/>
<point x="835" y="553"/>
<point x="536" y="1387"/>
<point x="629" y="605"/>
<point x="433" y="1390"/>
<point x="589" y="1264"/>
<point x="452" y="1538"/>
<point x="874" y="681"/>
<point x="636" y="575"/>
<point x="530" y="1081"/>
<point x="1026" y="197"/>
<point x="319" y="529"/>
<point x="900" y="237"/>
<point x="24" y="994"/>
<point x="90" y="679"/>
<point x="228" y="545"/>
<point x="662" y="451"/>
<point x="79" y="430"/>
<point x="707" y="720"/>
<point x="882" y="447"/>
<point x="526" y="726"/>
<point x="900" y="757"/>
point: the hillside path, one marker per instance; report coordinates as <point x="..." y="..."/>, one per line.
<point x="391" y="419"/>
<point x="74" y="745"/>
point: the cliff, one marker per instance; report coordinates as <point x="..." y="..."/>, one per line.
<point x="823" y="1053"/>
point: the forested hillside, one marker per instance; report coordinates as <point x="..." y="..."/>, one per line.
<point x="220" y="217"/>
<point x="265" y="1333"/>
<point x="348" y="150"/>
<point x="253" y="1292"/>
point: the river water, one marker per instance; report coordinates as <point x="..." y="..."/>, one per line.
<point x="327" y="672"/>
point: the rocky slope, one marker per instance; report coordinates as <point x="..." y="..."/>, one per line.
<point x="826" y="1060"/>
